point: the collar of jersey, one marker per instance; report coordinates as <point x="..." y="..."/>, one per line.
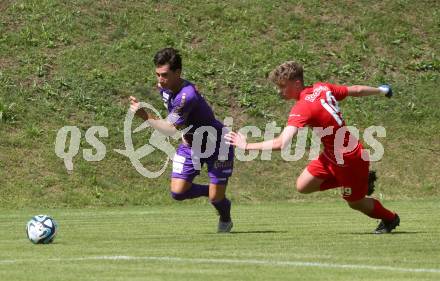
<point x="184" y="84"/>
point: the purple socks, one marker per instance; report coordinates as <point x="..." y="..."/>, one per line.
<point x="224" y="209"/>
<point x="196" y="190"/>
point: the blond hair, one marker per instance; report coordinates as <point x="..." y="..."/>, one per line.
<point x="288" y="70"/>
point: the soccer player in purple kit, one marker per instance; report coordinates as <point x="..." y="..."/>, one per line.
<point x="188" y="109"/>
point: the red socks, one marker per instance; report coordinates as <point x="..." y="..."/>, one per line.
<point x="379" y="212"/>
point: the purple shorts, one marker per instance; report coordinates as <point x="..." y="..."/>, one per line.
<point x="218" y="170"/>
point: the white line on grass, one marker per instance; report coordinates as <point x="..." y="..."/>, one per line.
<point x="236" y="261"/>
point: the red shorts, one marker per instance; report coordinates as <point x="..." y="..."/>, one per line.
<point x="352" y="175"/>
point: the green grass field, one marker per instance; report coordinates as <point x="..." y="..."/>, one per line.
<point x="296" y="241"/>
<point x="74" y="63"/>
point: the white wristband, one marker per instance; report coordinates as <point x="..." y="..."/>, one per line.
<point x="384" y="90"/>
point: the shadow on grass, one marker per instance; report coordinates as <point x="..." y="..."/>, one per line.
<point x="392" y="233"/>
<point x="258" y="231"/>
<point x="254" y="232"/>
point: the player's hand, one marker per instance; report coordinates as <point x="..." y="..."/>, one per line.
<point x="134" y="107"/>
<point x="236" y="139"/>
<point x="386" y="89"/>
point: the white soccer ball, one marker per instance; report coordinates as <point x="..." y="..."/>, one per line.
<point x="41" y="229"/>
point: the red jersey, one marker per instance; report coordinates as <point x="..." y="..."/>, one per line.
<point x="317" y="106"/>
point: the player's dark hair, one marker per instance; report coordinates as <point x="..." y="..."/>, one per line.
<point x="168" y="56"/>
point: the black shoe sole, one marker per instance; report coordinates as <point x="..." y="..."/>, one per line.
<point x="395" y="223"/>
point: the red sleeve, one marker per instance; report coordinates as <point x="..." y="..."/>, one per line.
<point x="338" y="91"/>
<point x="299" y="115"/>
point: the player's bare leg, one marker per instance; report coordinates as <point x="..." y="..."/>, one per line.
<point x="307" y="183"/>
<point x="217" y="192"/>
<point x="223" y="205"/>
<point x="365" y="205"/>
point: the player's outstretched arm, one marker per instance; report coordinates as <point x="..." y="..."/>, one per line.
<point x="362" y="91"/>
<point x="162" y="126"/>
<point x="239" y="140"/>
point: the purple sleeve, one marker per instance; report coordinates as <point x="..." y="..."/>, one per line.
<point x="182" y="106"/>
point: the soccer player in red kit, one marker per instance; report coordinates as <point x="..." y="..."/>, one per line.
<point x="341" y="163"/>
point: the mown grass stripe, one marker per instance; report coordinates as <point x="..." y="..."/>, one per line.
<point x="237" y="261"/>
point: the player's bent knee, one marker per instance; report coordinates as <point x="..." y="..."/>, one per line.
<point x="299" y="186"/>
<point x="302" y="185"/>
<point x="307" y="185"/>
<point x="179" y="186"/>
<point x="302" y="188"/>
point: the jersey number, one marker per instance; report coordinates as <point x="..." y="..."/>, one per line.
<point x="331" y="105"/>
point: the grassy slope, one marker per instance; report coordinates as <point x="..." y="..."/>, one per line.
<point x="267" y="232"/>
<point x="75" y="63"/>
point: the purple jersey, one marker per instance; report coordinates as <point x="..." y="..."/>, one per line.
<point x="188" y="108"/>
